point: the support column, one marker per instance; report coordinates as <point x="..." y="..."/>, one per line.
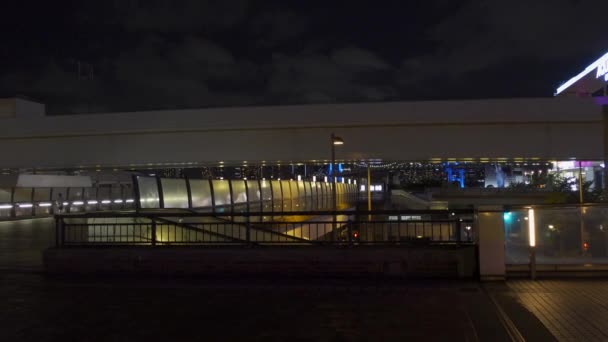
<point x="491" y="242"/>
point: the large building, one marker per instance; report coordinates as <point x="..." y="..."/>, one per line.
<point x="494" y="142"/>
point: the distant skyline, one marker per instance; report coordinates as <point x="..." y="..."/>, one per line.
<point x="127" y="55"/>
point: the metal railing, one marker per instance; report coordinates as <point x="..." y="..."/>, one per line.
<point x="183" y="227"/>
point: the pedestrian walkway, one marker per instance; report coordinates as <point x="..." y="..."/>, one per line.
<point x="572" y="310"/>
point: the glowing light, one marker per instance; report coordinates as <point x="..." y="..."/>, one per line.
<point x="338" y="141"/>
<point x="66" y="203"/>
<point x="506" y="216"/>
<point x="325" y="179"/>
<point x="106" y="202"/>
<point x="44" y="204"/>
<point x="531" y="228"/>
<point x="314" y="178"/>
<point x="130" y="200"/>
<point x="6" y="206"/>
<point x="299" y="177"/>
<point x="92" y="202"/>
<point x="25" y="205"/>
<point x="78" y="203"/>
<point x="118" y="201"/>
<point x="601" y="65"/>
<point x="468" y="227"/>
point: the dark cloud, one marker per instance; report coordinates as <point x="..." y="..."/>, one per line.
<point x="136" y="55"/>
<point x="486" y="35"/>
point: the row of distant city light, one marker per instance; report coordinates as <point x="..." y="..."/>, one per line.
<point x="75" y="203"/>
<point x="299" y="179"/>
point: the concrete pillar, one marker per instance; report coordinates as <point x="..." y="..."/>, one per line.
<point x="491" y="239"/>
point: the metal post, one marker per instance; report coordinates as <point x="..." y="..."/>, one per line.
<point x="369" y="191"/>
<point x="153" y="234"/>
<point x="189" y="192"/>
<point x="161" y="195"/>
<point x="67" y="199"/>
<point x="13" y="212"/>
<point x="581" y="209"/>
<point x="212" y="191"/>
<point x="580" y="182"/>
<point x="349" y="229"/>
<point x="533" y="262"/>
<point x="33" y="212"/>
<point x="333" y="187"/>
<point x="248" y="229"/>
<point x="52" y="207"/>
<point x="135" y="193"/>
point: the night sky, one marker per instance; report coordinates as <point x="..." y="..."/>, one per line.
<point x="138" y="55"/>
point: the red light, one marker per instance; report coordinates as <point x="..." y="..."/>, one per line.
<point x="356" y="235"/>
<point x="585" y="246"/>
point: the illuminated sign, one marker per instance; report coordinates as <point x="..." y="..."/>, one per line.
<point x="600" y="67"/>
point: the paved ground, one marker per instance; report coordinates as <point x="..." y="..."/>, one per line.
<point x="37" y="308"/>
<point x="573" y="310"/>
<point x="40" y="309"/>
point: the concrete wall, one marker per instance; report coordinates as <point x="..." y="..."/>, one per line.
<point x="519" y="128"/>
<point x="456" y="262"/>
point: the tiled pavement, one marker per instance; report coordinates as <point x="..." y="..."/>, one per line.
<point x="572" y="310"/>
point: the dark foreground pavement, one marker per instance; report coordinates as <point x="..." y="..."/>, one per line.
<point x="36" y="308"/>
<point x="572" y="309"/>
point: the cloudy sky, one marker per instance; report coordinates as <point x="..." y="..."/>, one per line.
<point x="119" y="55"/>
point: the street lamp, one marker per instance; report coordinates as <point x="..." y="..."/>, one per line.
<point x="335" y="140"/>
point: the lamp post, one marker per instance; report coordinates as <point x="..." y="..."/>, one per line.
<point x="335" y="140"/>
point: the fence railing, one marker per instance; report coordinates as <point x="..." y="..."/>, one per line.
<point x="166" y="228"/>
